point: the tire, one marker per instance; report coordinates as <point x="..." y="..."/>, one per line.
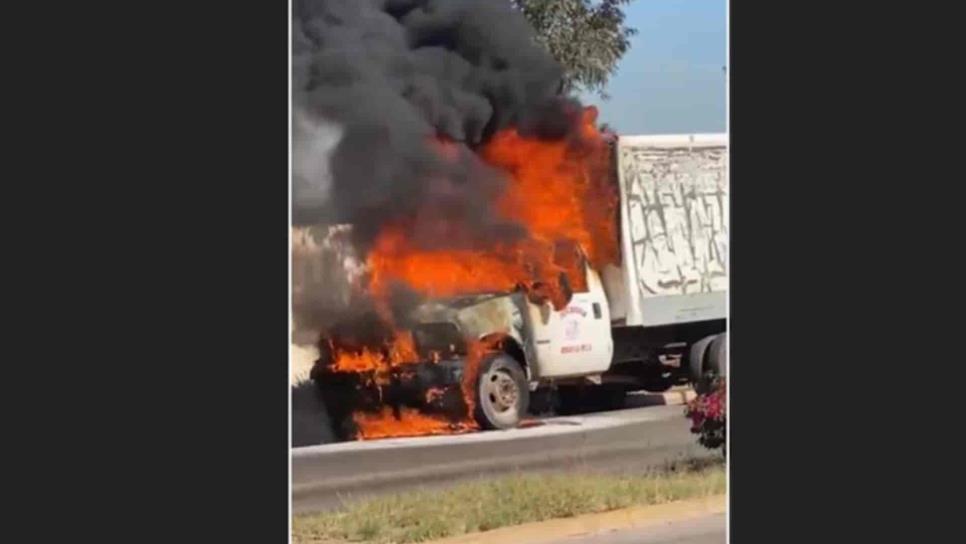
<point x="696" y="359"/>
<point x="502" y="393"/>
<point x="718" y="355"/>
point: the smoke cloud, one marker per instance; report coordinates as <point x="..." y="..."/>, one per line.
<point x="313" y="143"/>
<point x="378" y="85"/>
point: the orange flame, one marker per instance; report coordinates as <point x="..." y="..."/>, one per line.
<point x="477" y="349"/>
<point x="561" y="190"/>
<point x="401" y="349"/>
<point x="410" y="422"/>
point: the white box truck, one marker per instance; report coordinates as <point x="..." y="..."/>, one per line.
<point x="657" y="320"/>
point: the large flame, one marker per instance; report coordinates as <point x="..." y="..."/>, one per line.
<point x="562" y="194"/>
<point x="404" y="421"/>
<point x="379" y="359"/>
<point x="560" y="191"/>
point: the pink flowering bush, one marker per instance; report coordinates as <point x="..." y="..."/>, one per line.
<point x="708" y="415"/>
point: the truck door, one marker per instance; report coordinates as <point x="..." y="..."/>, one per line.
<point x="576" y="340"/>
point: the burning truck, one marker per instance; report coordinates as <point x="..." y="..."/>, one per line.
<point x="469" y="243"/>
<point x="583" y="334"/>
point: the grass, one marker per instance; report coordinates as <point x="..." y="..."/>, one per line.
<point x="509" y="500"/>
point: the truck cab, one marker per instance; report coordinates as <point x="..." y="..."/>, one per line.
<point x="532" y="344"/>
<point x="575" y="341"/>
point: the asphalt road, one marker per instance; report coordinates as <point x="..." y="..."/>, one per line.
<point x="703" y="530"/>
<point x="624" y="440"/>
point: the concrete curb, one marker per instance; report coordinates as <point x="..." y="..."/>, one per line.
<point x="627" y="518"/>
<point x="678" y="397"/>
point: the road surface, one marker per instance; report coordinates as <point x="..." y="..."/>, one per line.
<point x="623" y="440"/>
<point x="703" y="530"/>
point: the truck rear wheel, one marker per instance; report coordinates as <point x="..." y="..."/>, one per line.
<point x="718" y="355"/>
<point x="502" y="395"/>
<point x="713" y="364"/>
<point x="696" y="362"/>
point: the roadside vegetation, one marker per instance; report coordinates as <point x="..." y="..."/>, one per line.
<point x="510" y="500"/>
<point x="709" y="415"/>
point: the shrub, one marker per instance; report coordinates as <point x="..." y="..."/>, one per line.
<point x="708" y="415"/>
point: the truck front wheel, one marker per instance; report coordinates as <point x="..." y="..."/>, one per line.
<point x="502" y="395"/>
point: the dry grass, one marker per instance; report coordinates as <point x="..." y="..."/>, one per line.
<point x="511" y="500"/>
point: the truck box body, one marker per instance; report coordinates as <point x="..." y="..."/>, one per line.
<point x="674" y="230"/>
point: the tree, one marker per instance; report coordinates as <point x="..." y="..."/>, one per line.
<point x="587" y="37"/>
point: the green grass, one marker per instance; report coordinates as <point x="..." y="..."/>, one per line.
<point x="510" y="500"/>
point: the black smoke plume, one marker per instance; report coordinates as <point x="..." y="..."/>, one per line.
<point x="377" y="84"/>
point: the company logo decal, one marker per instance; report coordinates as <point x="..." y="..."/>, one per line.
<point x="571" y="310"/>
<point x="576" y="349"/>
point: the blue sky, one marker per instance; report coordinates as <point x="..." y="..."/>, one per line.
<point x="671" y="79"/>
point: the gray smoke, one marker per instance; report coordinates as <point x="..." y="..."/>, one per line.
<point x="313" y="142"/>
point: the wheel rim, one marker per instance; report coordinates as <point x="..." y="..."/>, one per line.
<point x="500" y="391"/>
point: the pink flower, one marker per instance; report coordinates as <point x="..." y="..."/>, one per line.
<point x="708" y="413"/>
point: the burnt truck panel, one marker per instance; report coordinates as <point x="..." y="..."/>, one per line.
<point x="477" y="316"/>
<point x="443" y="325"/>
<point x="674" y="230"/>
